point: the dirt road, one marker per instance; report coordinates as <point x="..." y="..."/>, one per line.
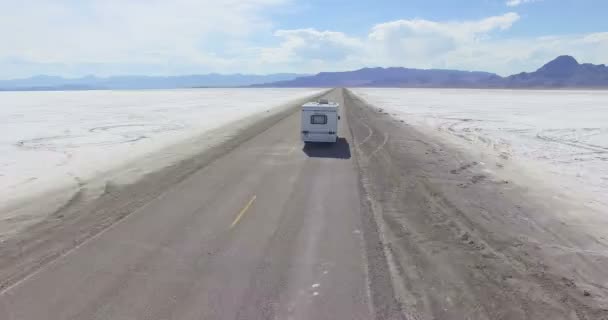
<point x="270" y="229"/>
<point x="389" y="223"/>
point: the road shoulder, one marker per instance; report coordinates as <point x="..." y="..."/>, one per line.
<point x="463" y="244"/>
<point x="66" y="218"/>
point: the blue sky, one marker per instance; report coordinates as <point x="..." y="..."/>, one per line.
<point x="157" y="37"/>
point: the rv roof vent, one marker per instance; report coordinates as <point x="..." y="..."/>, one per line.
<point x="323" y="101"/>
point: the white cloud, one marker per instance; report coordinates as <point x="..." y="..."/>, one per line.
<point x="187" y="36"/>
<point x="120" y="32"/>
<point x="509" y="56"/>
<point x="467" y="45"/>
<point x="515" y="3"/>
<point x="421" y="39"/>
<point x="416" y="43"/>
<point x="310" y="49"/>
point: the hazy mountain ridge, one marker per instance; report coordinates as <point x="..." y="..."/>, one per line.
<point x="395" y="76"/>
<point x="563" y="72"/>
<point x="141" y="82"/>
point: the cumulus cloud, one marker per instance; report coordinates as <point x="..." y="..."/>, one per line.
<point x="306" y="49"/>
<point x="417" y="43"/>
<point x="321" y="45"/>
<point x="420" y="39"/>
<point x="465" y="30"/>
<point x="509" y="56"/>
<point x="122" y="33"/>
<point x="108" y="37"/>
<point x="414" y="43"/>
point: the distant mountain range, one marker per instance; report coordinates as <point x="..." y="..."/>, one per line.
<point x="390" y="77"/>
<point x="142" y="82"/>
<point x="563" y="72"/>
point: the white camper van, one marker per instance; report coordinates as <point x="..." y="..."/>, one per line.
<point x="320" y="121"/>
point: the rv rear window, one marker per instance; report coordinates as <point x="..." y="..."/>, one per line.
<point x="318" y="119"/>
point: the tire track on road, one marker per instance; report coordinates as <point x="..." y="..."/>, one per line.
<point x="381" y="263"/>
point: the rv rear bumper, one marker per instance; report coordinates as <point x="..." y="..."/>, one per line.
<point x="319" y="137"/>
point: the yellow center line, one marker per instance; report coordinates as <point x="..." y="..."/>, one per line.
<point x="238" y="218"/>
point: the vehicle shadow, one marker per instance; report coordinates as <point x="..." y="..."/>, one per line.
<point x="338" y="150"/>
